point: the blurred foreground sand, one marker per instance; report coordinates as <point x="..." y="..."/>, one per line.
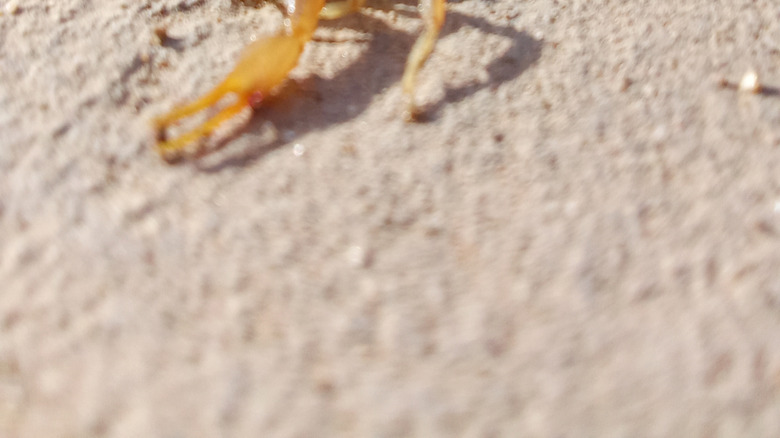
<point x="582" y="241"/>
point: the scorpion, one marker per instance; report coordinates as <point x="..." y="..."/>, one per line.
<point x="265" y="64"/>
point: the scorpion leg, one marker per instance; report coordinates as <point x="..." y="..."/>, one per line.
<point x="433" y="12"/>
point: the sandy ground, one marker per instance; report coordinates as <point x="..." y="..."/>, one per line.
<point x="583" y="240"/>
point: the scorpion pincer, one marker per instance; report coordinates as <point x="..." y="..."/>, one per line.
<point x="266" y="63"/>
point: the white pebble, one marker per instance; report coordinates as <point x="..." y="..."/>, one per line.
<point x="12" y="7"/>
<point x="750" y="83"/>
<point x="358" y="257"/>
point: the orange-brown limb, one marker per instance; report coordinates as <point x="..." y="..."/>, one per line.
<point x="266" y="63"/>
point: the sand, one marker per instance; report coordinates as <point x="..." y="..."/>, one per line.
<point x="581" y="240"/>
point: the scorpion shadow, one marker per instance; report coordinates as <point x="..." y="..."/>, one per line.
<point x="313" y="103"/>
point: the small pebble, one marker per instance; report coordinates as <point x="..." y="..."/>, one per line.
<point x="750" y="83"/>
<point x="160" y="34"/>
<point x="12" y="7"/>
<point x="358" y="257"/>
<point x="721" y="81"/>
<point x="623" y="84"/>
